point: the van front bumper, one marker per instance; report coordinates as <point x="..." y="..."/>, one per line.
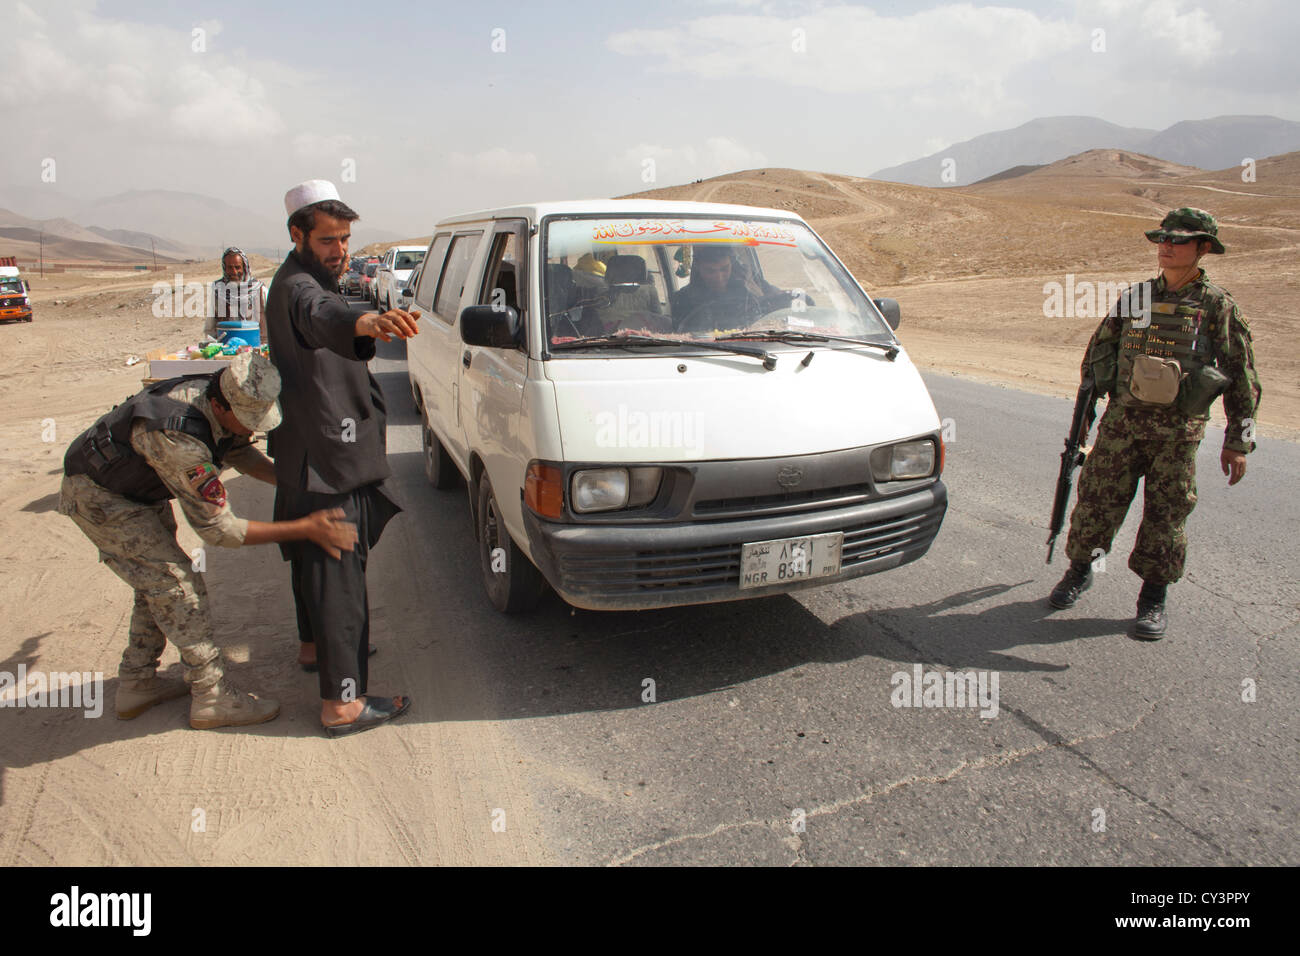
<point x="642" y="566"/>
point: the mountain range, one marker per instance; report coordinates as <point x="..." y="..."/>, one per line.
<point x="1208" y="144"/>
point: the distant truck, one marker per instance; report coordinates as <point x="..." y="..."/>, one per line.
<point x="15" y="303"/>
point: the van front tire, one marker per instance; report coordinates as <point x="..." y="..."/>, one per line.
<point x="513" y="584"/>
<point x="438" y="466"/>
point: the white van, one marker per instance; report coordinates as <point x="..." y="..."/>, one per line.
<point x="663" y="403"/>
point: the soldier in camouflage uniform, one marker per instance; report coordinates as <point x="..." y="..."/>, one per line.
<point x="172" y="440"/>
<point x="1162" y="366"/>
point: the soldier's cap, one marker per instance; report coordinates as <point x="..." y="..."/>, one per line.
<point x="305" y="194"/>
<point x="251" y="387"/>
<point x="1187" y="221"/>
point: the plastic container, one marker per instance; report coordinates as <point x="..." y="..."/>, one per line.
<point x="248" y="331"/>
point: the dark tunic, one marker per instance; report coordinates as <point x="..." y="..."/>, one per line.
<point x="330" y="452"/>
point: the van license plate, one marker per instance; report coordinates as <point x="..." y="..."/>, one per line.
<point x="767" y="563"/>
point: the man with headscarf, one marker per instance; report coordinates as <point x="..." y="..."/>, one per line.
<point x="236" y="296"/>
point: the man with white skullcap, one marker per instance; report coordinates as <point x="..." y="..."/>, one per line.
<point x="172" y="440"/>
<point x="330" y="451"/>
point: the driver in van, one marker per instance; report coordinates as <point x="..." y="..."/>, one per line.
<point x="720" y="295"/>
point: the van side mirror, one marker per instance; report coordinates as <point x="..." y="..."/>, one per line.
<point x="487" y="325"/>
<point x="889" y="309"/>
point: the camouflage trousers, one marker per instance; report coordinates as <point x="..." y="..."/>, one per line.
<point x="1107" y="485"/>
<point x="138" y="543"/>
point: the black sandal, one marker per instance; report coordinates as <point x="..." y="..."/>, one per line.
<point x="376" y="711"/>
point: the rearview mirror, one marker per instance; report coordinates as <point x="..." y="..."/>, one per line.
<point x="489" y="326"/>
<point x="889" y="309"/>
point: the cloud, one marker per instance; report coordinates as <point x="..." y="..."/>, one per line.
<point x="679" y="164"/>
<point x="957" y="50"/>
<point x="106" y="78"/>
<point x="497" y="161"/>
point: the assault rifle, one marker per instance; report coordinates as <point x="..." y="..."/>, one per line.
<point x="1085" y="413"/>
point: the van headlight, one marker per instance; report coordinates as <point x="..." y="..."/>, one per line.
<point x="609" y="489"/>
<point x="908" y="459"/>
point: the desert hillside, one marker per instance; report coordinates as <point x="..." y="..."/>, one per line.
<point x="968" y="264"/>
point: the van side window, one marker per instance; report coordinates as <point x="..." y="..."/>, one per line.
<point x="431" y="272"/>
<point x="447" y="302"/>
<point x="504" y="279"/>
<point x="504" y="272"/>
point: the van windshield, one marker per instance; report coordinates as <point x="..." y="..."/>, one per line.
<point x="408" y="260"/>
<point x="697" y="278"/>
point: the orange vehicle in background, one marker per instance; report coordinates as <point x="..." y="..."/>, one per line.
<point x="15" y="304"/>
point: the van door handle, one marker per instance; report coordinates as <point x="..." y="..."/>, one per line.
<point x="466" y="358"/>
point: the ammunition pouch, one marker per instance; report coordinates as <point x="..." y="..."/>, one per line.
<point x="1155" y="381"/>
<point x="1200" y="388"/>
<point x="1105" y="370"/>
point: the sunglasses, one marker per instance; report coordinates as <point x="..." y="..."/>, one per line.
<point x="1176" y="240"/>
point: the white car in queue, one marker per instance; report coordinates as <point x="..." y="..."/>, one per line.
<point x="665" y="403"/>
<point x="394" y="269"/>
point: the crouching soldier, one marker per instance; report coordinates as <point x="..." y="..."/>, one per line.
<point x="171" y="441"/>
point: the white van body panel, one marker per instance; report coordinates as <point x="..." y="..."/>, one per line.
<point x="641" y="408"/>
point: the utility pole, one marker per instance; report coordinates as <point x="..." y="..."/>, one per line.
<point x="42" y="252"/>
<point x="155" y="254"/>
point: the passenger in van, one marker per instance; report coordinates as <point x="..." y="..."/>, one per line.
<point x="589" y="279"/>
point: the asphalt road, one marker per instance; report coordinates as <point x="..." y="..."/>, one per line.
<point x="773" y="739"/>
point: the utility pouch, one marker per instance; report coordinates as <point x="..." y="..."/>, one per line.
<point x="1105" y="371"/>
<point x="1155" y="381"/>
<point x="1200" y="389"/>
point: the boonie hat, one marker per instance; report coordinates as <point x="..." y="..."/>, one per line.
<point x="251" y="387"/>
<point x="1188" y="221"/>
<point x="312" y="191"/>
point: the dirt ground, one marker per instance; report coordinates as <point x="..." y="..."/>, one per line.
<point x="967" y="267"/>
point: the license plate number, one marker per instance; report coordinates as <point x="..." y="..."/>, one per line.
<point x="767" y="563"/>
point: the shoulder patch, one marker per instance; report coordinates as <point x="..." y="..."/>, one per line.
<point x="205" y="480"/>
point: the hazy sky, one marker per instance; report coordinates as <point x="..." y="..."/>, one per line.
<point x="446" y="107"/>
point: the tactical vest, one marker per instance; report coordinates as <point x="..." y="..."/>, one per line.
<point x="1178" y="330"/>
<point x="103" y="452"/>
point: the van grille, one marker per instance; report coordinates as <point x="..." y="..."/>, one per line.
<point x="756" y="506"/>
<point x="710" y="568"/>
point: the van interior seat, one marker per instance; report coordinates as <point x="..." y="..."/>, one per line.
<point x="630" y="292"/>
<point x="506" y="283"/>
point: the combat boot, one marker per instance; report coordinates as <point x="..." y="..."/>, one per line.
<point x="224" y="705"/>
<point x="134" y="697"/>
<point x="1078" y="578"/>
<point x="1151" y="620"/>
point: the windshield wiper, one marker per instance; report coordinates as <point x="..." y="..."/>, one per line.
<point x="769" y="360"/>
<point x="791" y="335"/>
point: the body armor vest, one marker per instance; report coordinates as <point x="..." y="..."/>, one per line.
<point x="104" y="454"/>
<point x="1178" y="330"/>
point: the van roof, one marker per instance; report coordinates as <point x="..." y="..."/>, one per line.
<point x="534" y="212"/>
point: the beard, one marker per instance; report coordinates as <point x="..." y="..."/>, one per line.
<point x="318" y="268"/>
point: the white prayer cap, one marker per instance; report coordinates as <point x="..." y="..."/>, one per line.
<point x="312" y="191"/>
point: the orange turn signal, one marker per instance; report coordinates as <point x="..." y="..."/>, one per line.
<point x="544" y="490"/>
